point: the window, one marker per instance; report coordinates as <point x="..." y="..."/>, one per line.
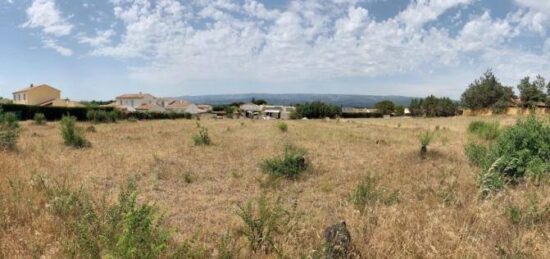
<point x="24" y="96"/>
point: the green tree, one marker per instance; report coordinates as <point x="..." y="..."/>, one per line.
<point x="316" y="110"/>
<point x="487" y="92"/>
<point x="385" y="107"/>
<point x="532" y="93"/>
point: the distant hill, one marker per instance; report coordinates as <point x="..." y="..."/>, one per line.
<point x="288" y="99"/>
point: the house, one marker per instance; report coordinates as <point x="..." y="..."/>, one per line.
<point x="150" y="107"/>
<point x="205" y="108"/>
<point x="135" y="100"/>
<point x="250" y="110"/>
<point x="36" y="95"/>
<point x="277" y="111"/>
<point x="62" y="103"/>
<point x="182" y="106"/>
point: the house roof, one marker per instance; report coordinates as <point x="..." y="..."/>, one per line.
<point x="250" y="107"/>
<point x="147" y="106"/>
<point x="134" y="96"/>
<point x="182" y="104"/>
<point x="35" y="87"/>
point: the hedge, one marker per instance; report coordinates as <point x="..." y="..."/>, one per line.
<point x="27" y="112"/>
<point x="157" y="115"/>
<point x="361" y="115"/>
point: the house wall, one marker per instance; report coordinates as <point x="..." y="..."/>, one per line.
<point x="37" y="96"/>
<point x="135" y="102"/>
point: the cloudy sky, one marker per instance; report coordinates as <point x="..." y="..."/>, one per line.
<point x="99" y="49"/>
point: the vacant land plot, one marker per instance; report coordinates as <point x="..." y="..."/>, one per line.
<point x="413" y="207"/>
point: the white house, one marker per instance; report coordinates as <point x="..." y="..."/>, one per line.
<point x="134" y="100"/>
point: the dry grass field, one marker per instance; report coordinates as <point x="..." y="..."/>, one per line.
<point x="426" y="208"/>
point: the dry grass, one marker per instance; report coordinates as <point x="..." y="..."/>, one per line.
<point x="439" y="212"/>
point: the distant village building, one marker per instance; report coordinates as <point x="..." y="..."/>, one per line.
<point x="133" y="101"/>
<point x="250" y="110"/>
<point x="42" y="95"/>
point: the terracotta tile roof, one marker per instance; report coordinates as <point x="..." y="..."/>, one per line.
<point x="178" y="104"/>
<point x="134" y="96"/>
<point x="35" y="87"/>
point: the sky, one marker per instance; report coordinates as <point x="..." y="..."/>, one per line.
<point x="103" y="48"/>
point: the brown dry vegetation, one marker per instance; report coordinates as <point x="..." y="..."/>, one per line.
<point x="437" y="211"/>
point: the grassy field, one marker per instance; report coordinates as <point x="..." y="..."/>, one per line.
<point x="418" y="208"/>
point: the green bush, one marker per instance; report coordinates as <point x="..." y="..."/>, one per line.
<point x="72" y="136"/>
<point x="9" y="131"/>
<point x="485" y="130"/>
<point x="290" y="165"/>
<point x="39" y="119"/>
<point x="518" y="151"/>
<point x="282" y="126"/>
<point x="95" y="230"/>
<point x="316" y="110"/>
<point x="202" y="138"/>
<point x="262" y="222"/>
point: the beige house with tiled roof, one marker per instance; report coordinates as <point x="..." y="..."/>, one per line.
<point x="134" y="100"/>
<point x="182" y="106"/>
<point x="36" y="95"/>
<point x="150" y="107"/>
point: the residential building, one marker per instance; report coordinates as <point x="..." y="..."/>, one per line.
<point x="135" y="100"/>
<point x="182" y="106"/>
<point x="150" y="107"/>
<point x="36" y="95"/>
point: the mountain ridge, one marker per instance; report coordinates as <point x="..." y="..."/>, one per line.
<point x="348" y="100"/>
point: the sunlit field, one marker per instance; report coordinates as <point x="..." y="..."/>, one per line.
<point x="428" y="208"/>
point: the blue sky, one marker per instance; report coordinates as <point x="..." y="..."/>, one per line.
<point x="100" y="49"/>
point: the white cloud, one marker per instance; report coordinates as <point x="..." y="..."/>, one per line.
<point x="43" y="14"/>
<point x="101" y="38"/>
<point x="540" y="5"/>
<point x="53" y="44"/>
<point x="421" y="11"/>
<point x="304" y="40"/>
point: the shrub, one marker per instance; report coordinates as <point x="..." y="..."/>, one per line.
<point x="39" y="119"/>
<point x="202" y="138"/>
<point x="122" y="230"/>
<point x="316" y="110"/>
<point x="282" y="126"/>
<point x="485" y="130"/>
<point x="72" y="136"/>
<point x="425" y="140"/>
<point x="9" y="131"/>
<point x="518" y="151"/>
<point x="367" y="193"/>
<point x="263" y="221"/>
<point x="290" y="165"/>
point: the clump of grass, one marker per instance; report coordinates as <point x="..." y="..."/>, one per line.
<point x="202" y="138"/>
<point x="488" y="131"/>
<point x="282" y="126"/>
<point x="39" y="119"/>
<point x="367" y="193"/>
<point x="132" y="119"/>
<point x="72" y="136"/>
<point x="9" y="131"/>
<point x="262" y="222"/>
<point x="291" y="165"/>
<point x="425" y="140"/>
<point x="531" y="214"/>
<point x="228" y="247"/>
